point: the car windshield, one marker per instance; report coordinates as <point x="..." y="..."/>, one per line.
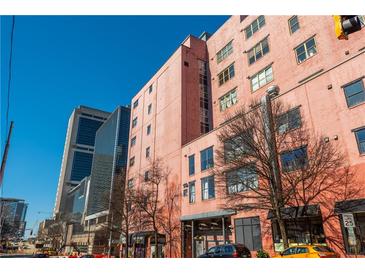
<point x="211" y="250"/>
<point x="322" y="249"/>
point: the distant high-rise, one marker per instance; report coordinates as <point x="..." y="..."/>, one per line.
<point x="78" y="151"/>
<point x="110" y="155"/>
<point x="12" y="217"/>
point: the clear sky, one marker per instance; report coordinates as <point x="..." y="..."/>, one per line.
<point x="60" y="62"/>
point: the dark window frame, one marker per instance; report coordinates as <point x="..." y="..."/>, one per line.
<point x="192" y="194"/>
<point x="296" y="166"/>
<point x="210" y="182"/>
<point x="292" y="124"/>
<point x="207" y="162"/>
<point x="261" y="51"/>
<point x="350" y="84"/>
<point x="362" y="152"/>
<point x="191" y="165"/>
<point x="291" y="25"/>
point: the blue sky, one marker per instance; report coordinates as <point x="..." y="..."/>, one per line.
<point x="60" y="62"/>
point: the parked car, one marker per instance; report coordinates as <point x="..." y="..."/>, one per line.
<point x="88" y="256"/>
<point x="308" y="251"/>
<point x="40" y="255"/>
<point x="227" y="251"/>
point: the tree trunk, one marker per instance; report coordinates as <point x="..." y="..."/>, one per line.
<point x="282" y="229"/>
<point x="156" y="245"/>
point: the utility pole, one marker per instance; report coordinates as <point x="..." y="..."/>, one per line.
<point x="5" y="155"/>
<point x="110" y="235"/>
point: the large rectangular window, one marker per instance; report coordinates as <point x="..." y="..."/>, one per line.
<point x="226" y="74"/>
<point x="294" y="159"/>
<point x="224" y="52"/>
<point x="206" y="158"/>
<point x="191" y="164"/>
<point x="306" y="50"/>
<point x="360" y="137"/>
<point x="261" y="78"/>
<point x="243" y="179"/>
<point x="81" y="165"/>
<point x="87" y="130"/>
<point x="192" y="192"/>
<point x="355" y="93"/>
<point x="208" y="189"/>
<point x="238" y="146"/>
<point x="248" y="232"/>
<point x="293" y="24"/>
<point x="258" y="51"/>
<point x="289" y="120"/>
<point x="257" y="24"/>
<point x="228" y="99"/>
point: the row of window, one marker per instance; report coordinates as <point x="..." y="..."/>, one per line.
<point x="207" y="189"/>
<point x="150" y="89"/>
<point x="206" y="160"/>
<point x="135" y="120"/>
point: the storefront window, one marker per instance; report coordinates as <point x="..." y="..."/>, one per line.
<point x="305" y="230"/>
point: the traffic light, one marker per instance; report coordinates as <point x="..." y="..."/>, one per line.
<point x="346" y="24"/>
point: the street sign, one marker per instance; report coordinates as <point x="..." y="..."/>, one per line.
<point x="348" y="220"/>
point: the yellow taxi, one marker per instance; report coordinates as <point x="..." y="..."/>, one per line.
<point x="308" y="251"/>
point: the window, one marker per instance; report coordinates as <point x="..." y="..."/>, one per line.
<point x="81" y="165"/>
<point x="135" y="104"/>
<point x="294" y="160"/>
<point x="302" y="250"/>
<point x="192" y="192"/>
<point x="149" y="109"/>
<point x="208" y="191"/>
<point x="206" y="158"/>
<point x="288" y="121"/>
<point x="355" y="93"/>
<point x="243" y="179"/>
<point x="289" y="251"/>
<point x="87" y="130"/>
<point x="148" y="129"/>
<point x="185" y="192"/>
<point x="134" y="122"/>
<point x="261" y="78"/>
<point x="360" y="137"/>
<point x="148" y="152"/>
<point x="130" y="183"/>
<point x="255" y="26"/>
<point x="293" y="24"/>
<point x="238" y="146"/>
<point x="226" y="74"/>
<point x="133" y="141"/>
<point x="228" y="100"/>
<point x="131" y="161"/>
<point x="224" y="52"/>
<point x="248" y="232"/>
<point x="258" y="51"/>
<point x="150" y="88"/>
<point x="306" y="50"/>
<point x="146" y="176"/>
<point x="191" y="164"/>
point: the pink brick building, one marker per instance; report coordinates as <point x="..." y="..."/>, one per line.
<point x="176" y="116"/>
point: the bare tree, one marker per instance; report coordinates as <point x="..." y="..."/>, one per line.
<point x="149" y="195"/>
<point x="169" y="220"/>
<point x="315" y="172"/>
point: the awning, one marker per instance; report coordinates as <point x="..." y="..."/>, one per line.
<point x="297" y="212"/>
<point x="350" y="206"/>
<point x="208" y="215"/>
